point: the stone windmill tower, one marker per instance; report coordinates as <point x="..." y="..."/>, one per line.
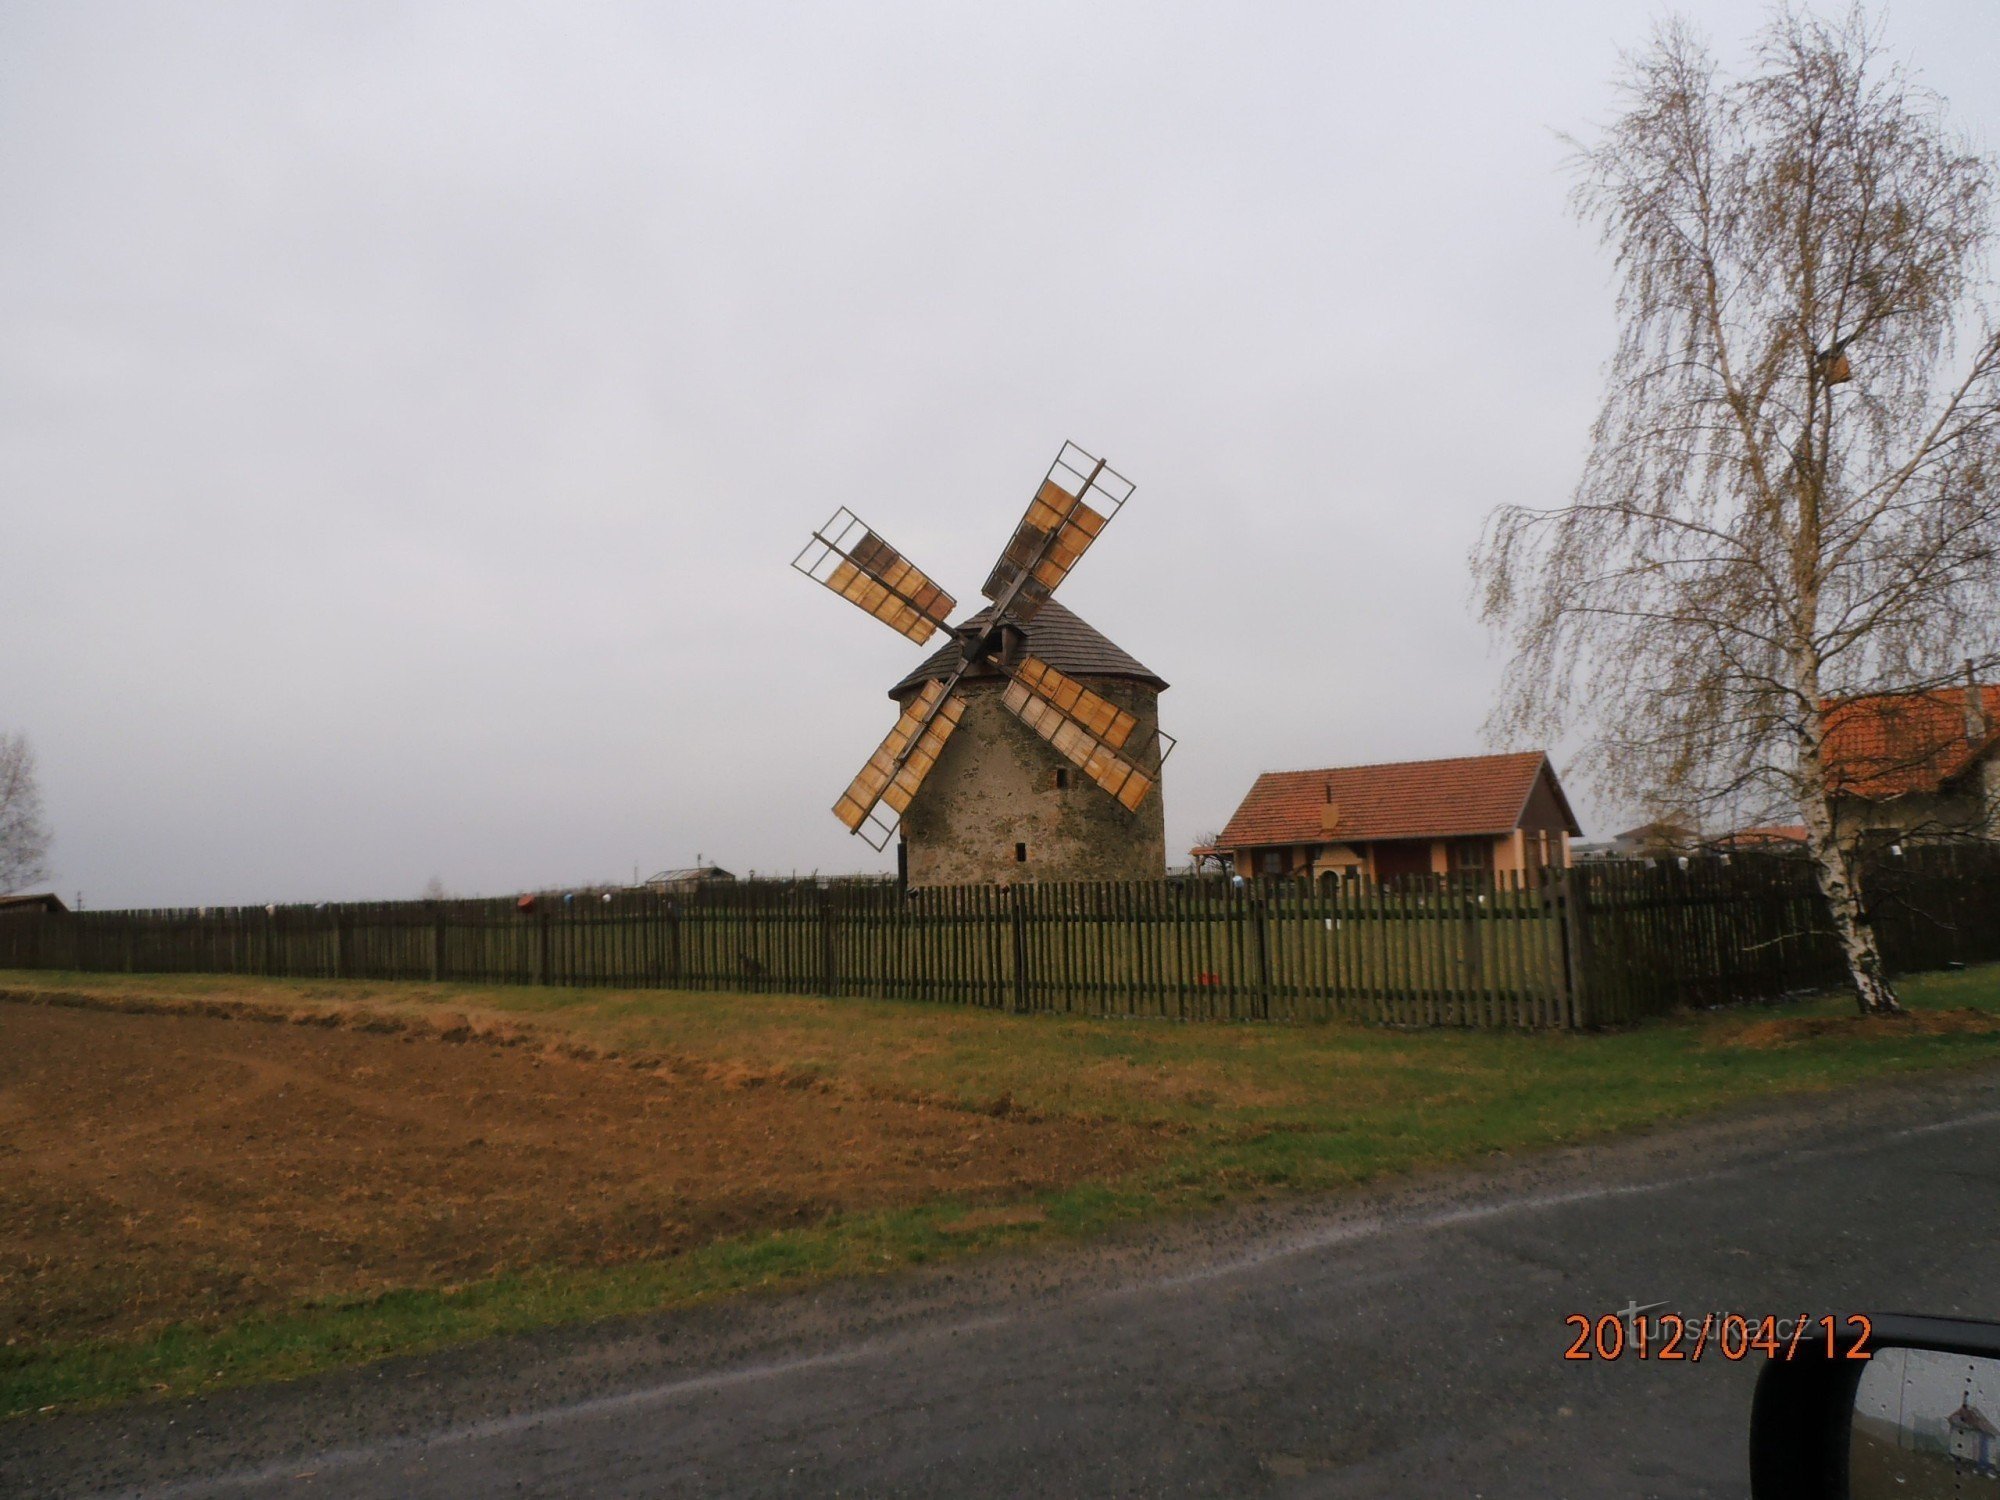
<point x="1029" y="746"/>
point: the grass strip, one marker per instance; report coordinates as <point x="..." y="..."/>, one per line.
<point x="1258" y="1109"/>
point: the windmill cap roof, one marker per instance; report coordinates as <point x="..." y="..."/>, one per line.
<point x="1056" y="636"/>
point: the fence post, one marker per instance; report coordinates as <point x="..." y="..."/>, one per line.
<point x="829" y="948"/>
<point x="1018" y="916"/>
<point x="541" y="943"/>
<point x="1471" y="969"/>
<point x="437" y="943"/>
<point x="341" y="943"/>
<point x="1260" y="924"/>
<point x="1575" y="914"/>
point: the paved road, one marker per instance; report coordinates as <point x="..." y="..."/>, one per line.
<point x="1400" y="1343"/>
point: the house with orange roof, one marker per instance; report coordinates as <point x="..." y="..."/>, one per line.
<point x="1768" y="837"/>
<point x="1915" y="765"/>
<point x="1475" y="814"/>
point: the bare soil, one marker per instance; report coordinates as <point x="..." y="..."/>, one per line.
<point x="1785" y="1031"/>
<point x="161" y="1165"/>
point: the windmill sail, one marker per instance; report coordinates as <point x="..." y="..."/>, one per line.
<point x="1086" y="729"/>
<point x="898" y="767"/>
<point x="849" y="558"/>
<point x="1061" y="523"/>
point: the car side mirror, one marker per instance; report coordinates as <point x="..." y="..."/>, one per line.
<point x="1891" y="1405"/>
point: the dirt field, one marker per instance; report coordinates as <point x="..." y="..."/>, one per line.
<point x="156" y="1167"/>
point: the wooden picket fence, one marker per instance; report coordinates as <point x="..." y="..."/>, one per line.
<point x="1715" y="930"/>
<point x="1599" y="944"/>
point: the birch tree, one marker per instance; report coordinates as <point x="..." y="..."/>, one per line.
<point x="1790" y="493"/>
<point x="24" y="837"/>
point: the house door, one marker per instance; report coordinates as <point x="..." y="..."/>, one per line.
<point x="1395" y="861"/>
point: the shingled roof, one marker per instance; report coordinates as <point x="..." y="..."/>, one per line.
<point x="1469" y="796"/>
<point x="1890" y="744"/>
<point x="1058" y="638"/>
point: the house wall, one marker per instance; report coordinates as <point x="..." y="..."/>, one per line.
<point x="1544" y="832"/>
<point x="994" y="787"/>
<point x="1965" y="809"/>
<point x="1301" y="861"/>
<point x="1338" y="859"/>
<point x="1543" y="811"/>
<point x="1254" y="862"/>
<point x="1530" y="849"/>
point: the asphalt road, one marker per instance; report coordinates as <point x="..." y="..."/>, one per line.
<point x="1407" y="1342"/>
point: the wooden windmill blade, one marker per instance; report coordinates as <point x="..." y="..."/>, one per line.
<point x="1077" y="499"/>
<point x="900" y="764"/>
<point x="849" y="558"/>
<point x="1086" y="729"/>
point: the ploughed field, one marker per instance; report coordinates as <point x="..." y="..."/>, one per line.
<point x="166" y="1167"/>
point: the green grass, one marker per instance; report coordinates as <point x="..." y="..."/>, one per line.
<point x="1253" y="1109"/>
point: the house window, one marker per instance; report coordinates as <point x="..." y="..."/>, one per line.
<point x="1270" y="862"/>
<point x="1471" y="856"/>
<point x="1062" y="778"/>
<point x="1020" y="854"/>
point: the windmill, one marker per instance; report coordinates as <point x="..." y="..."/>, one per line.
<point x="1118" y="750"/>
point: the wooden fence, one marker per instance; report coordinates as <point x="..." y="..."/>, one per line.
<point x="1599" y="944"/>
<point x="1652" y="937"/>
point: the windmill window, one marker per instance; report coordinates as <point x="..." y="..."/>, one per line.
<point x="1020" y="854"/>
<point x="1062" y="778"/>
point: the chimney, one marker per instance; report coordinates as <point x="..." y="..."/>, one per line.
<point x="1329" y="814"/>
<point x="1975" y="710"/>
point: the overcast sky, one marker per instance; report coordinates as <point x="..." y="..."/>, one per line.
<point x="407" y="412"/>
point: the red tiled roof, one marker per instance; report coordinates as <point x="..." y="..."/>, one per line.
<point x="1774" y="833"/>
<point x="1412" y="799"/>
<point x="1888" y="744"/>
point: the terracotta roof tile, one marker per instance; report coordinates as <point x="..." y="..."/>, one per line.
<point x="1889" y="744"/>
<point x="1778" y="834"/>
<point x="1413" y="799"/>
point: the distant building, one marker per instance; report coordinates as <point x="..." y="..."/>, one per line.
<point x="1476" y="814"/>
<point x="39" y="901"/>
<point x="1655" y="840"/>
<point x="1916" y="765"/>
<point x="692" y="878"/>
<point x="1771" y="838"/>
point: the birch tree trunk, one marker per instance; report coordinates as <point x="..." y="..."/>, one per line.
<point x="1841" y="884"/>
